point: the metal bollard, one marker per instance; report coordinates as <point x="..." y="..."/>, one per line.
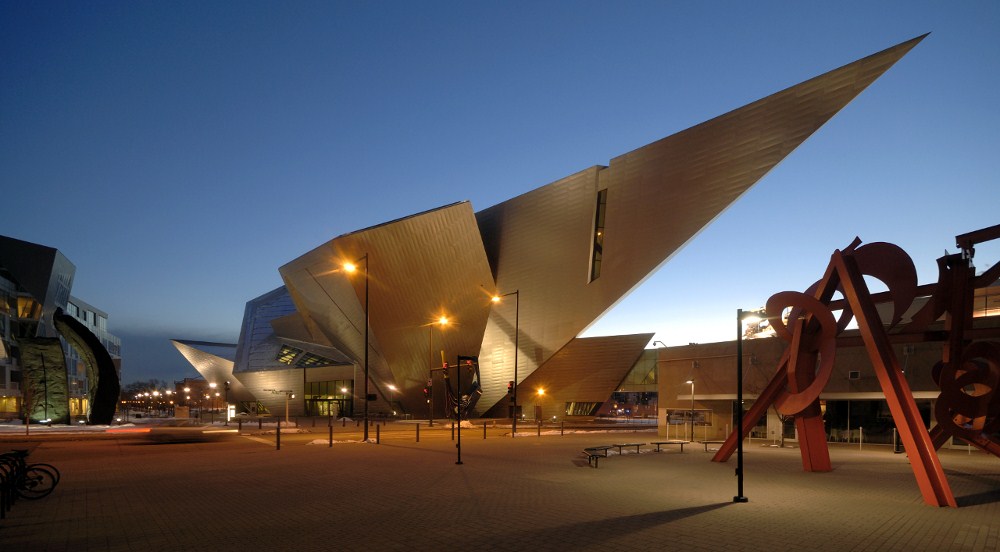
<point x="239" y="426"/>
<point x="539" y="428"/>
<point x="378" y="434"/>
<point x="418" y="433"/>
<point x="453" y="430"/>
<point x="331" y="436"/>
<point x="314" y="422"/>
<point x="260" y="423"/>
<point x="277" y="440"/>
<point x="562" y="428"/>
<point x="484" y="431"/>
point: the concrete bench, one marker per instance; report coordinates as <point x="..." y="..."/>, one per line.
<point x="706" y="443"/>
<point x="593" y="453"/>
<point x="670" y="442"/>
<point x="636" y="445"/>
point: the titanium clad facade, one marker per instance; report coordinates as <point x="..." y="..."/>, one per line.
<point x="658" y="198"/>
<point x="419" y="268"/>
<point x="216" y="366"/>
<point x="570" y="250"/>
<point x="586" y="371"/>
<point x="258" y="347"/>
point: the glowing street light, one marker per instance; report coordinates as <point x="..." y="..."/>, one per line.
<point x="392" y="397"/>
<point x="517" y="313"/>
<point x="441" y="322"/>
<point x="351" y="268"/>
<point x="691" y="381"/>
<point x="741" y="317"/>
<point x="289" y="394"/>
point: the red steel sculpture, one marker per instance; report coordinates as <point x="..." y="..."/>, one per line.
<point x="968" y="373"/>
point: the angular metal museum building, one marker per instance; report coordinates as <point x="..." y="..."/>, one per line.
<point x="558" y="257"/>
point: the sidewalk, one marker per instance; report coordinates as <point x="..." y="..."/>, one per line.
<point x="527" y="493"/>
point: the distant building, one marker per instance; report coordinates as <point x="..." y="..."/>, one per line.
<point x="57" y="360"/>
<point x="853" y="402"/>
<point x="559" y="257"/>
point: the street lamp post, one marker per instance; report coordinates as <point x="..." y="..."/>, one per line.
<point x="458" y="410"/>
<point x="289" y="394"/>
<point x="227" y="403"/>
<point x="517" y="313"/>
<point x="351" y="267"/>
<point x="211" y="397"/>
<point x="691" y="381"/>
<point x="740" y="317"/>
<point x="442" y="321"/>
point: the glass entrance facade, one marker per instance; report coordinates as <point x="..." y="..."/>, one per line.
<point x="330" y="398"/>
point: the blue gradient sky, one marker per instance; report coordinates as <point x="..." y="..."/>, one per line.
<point x="180" y="152"/>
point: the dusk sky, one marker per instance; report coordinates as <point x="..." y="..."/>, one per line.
<point x="179" y="152"/>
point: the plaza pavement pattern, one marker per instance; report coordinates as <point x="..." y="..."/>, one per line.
<point x="525" y="493"/>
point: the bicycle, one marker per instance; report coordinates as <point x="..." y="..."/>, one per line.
<point x="31" y="481"/>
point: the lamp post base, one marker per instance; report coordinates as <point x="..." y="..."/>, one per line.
<point x="740" y="499"/>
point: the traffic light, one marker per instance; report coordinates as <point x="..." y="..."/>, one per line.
<point x="427" y="392"/>
<point x="510" y="387"/>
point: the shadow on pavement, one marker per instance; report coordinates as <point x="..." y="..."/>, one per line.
<point x="612" y="529"/>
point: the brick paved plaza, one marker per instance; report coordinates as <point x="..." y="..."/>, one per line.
<point x="527" y="493"/>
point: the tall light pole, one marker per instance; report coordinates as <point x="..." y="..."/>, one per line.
<point x="441" y="322"/>
<point x="656" y="407"/>
<point x="517" y="350"/>
<point x="352" y="267"/>
<point x="740" y="317"/>
<point x="227" y="403"/>
<point x="289" y="395"/>
<point x="691" y="381"/>
<point x="392" y="397"/>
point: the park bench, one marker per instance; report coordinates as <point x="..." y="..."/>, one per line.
<point x="593" y="453"/>
<point x="706" y="443"/>
<point x="636" y="445"/>
<point x="670" y="442"/>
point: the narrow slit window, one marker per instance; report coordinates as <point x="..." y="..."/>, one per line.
<point x="598" y="249"/>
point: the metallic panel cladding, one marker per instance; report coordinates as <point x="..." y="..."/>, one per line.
<point x="215" y="369"/>
<point x="420" y="267"/>
<point x="585" y="370"/>
<point x="660" y="197"/>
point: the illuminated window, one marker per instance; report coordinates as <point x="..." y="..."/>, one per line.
<point x="582" y="408"/>
<point x="598" y="249"/>
<point x="287" y="354"/>
<point x="309" y="360"/>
